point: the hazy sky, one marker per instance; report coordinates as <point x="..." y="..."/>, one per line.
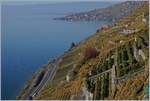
<point x="63" y="0"/>
<point x="72" y="0"/>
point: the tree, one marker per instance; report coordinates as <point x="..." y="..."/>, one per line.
<point x="90" y="53"/>
<point x="72" y="45"/>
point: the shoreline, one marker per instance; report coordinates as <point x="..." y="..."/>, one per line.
<point x="67" y="52"/>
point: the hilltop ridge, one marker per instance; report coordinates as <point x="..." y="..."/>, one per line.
<point x="112" y="13"/>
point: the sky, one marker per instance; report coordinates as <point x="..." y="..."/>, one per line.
<point x="57" y="0"/>
<point x="53" y="1"/>
<point x="68" y="0"/>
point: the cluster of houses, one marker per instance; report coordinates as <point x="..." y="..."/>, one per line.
<point x="128" y="31"/>
<point x="104" y="28"/>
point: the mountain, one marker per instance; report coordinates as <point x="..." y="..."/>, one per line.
<point x="111" y="13"/>
<point x="110" y="65"/>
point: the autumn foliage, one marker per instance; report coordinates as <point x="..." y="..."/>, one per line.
<point x="90" y="53"/>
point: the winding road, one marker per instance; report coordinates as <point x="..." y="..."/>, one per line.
<point x="49" y="75"/>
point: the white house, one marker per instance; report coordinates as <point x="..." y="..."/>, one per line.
<point x="67" y="78"/>
<point x="128" y="31"/>
<point x="144" y="20"/>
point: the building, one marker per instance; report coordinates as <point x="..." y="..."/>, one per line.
<point x="128" y="31"/>
<point x="105" y="27"/>
<point x="144" y="20"/>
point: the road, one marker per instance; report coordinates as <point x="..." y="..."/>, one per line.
<point x="49" y="75"/>
<point x="121" y="79"/>
<point x="97" y="75"/>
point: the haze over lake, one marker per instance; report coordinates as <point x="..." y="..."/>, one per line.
<point x="30" y="38"/>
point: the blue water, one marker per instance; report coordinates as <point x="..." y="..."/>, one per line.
<point x="30" y="38"/>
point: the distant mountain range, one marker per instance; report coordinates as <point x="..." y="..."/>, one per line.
<point x="112" y="13"/>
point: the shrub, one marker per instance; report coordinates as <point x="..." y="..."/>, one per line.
<point x="90" y="53"/>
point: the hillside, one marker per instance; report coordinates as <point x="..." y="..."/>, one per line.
<point x="112" y="13"/>
<point x="111" y="64"/>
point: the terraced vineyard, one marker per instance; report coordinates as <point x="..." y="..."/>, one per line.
<point x="116" y="68"/>
<point x="124" y="61"/>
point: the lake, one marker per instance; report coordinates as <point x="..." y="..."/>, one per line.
<point x="30" y="38"/>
